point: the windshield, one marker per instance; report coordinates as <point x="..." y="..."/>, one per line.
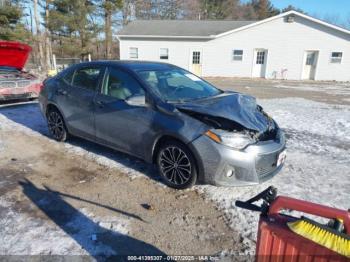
<point x="177" y="85"/>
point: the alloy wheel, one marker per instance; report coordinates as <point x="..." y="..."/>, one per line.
<point x="175" y="165"/>
<point x="56" y="125"/>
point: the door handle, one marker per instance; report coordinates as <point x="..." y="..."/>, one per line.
<point x="100" y="103"/>
<point x="62" y="92"/>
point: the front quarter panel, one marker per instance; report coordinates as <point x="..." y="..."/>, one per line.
<point x="174" y="124"/>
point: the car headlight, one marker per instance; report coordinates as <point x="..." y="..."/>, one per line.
<point x="237" y="141"/>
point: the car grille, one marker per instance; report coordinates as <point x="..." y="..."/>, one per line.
<point x="23" y="83"/>
<point x="14" y="84"/>
<point x="8" y="84"/>
<point x="269" y="135"/>
<point x="266" y="164"/>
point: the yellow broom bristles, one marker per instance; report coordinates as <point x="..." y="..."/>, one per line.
<point x="321" y="236"/>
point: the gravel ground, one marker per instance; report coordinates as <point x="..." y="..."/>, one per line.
<point x="59" y="200"/>
<point x="326" y="92"/>
<point x="83" y="199"/>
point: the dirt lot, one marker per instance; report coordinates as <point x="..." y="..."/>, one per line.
<point x="83" y="199"/>
<point x="327" y="92"/>
<point x="48" y="184"/>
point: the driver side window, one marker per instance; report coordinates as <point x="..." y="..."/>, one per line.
<point x="121" y="85"/>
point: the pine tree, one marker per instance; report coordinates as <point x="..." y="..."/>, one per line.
<point x="264" y="9"/>
<point x="291" y="7"/>
<point x="74" y="19"/>
<point x="11" y="26"/>
<point x="212" y="9"/>
<point x="109" y="7"/>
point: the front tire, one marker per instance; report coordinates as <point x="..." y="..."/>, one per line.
<point x="56" y="125"/>
<point x="176" y="165"/>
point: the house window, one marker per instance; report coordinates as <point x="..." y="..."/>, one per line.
<point x="134" y="52"/>
<point x="164" y="53"/>
<point x="237" y="55"/>
<point x="336" y="57"/>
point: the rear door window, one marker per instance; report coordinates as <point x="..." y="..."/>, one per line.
<point x="87" y="77"/>
<point x="68" y="77"/>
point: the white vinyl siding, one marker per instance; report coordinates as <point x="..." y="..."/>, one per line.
<point x="286" y="44"/>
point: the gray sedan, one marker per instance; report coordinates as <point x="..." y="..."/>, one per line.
<point x="163" y="114"/>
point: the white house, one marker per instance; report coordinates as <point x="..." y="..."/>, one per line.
<point x="287" y="46"/>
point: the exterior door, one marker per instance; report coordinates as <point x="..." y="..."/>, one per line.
<point x="310" y="63"/>
<point x="119" y="123"/>
<point x="196" y="62"/>
<point x="75" y="97"/>
<point x="259" y="63"/>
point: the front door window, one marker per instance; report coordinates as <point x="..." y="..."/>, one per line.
<point x="260" y="58"/>
<point x="196" y="63"/>
<point x="310" y="58"/>
<point x="121" y="85"/>
<point x="196" y="57"/>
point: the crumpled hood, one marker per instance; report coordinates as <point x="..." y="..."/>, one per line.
<point x="237" y="107"/>
<point x="14" y="54"/>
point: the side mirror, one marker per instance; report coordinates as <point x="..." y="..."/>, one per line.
<point x="166" y="108"/>
<point x="115" y="85"/>
<point x="136" y="100"/>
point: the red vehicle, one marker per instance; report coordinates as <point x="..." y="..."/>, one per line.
<point x="14" y="82"/>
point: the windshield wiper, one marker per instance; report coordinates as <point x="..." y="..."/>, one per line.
<point x="175" y="101"/>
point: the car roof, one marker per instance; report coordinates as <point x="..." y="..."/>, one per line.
<point x="131" y="64"/>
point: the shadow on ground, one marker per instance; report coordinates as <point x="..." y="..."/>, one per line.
<point x="99" y="242"/>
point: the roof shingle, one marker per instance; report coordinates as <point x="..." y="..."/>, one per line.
<point x="181" y="28"/>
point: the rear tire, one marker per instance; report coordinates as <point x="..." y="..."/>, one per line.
<point x="176" y="165"/>
<point x="56" y="125"/>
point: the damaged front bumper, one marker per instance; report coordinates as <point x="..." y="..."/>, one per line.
<point x="225" y="166"/>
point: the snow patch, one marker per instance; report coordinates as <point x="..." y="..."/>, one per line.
<point x="336" y="88"/>
<point x="37" y="236"/>
<point x="309" y="116"/>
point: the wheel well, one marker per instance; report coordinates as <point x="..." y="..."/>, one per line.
<point x="166" y="138"/>
<point x="159" y="142"/>
<point x="51" y="107"/>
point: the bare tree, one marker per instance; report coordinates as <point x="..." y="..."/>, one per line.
<point x="128" y="11"/>
<point x="38" y="37"/>
<point x="192" y="10"/>
<point x="48" y="44"/>
<point x="109" y="7"/>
